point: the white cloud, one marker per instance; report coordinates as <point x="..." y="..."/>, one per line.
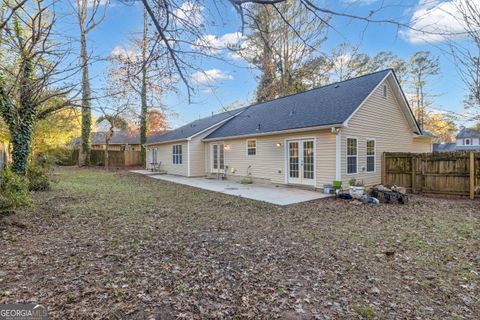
<point x="212" y="44"/>
<point x="359" y="2"/>
<point x="120" y="52"/>
<point x="190" y="12"/>
<point x="436" y="21"/>
<point x="91" y="3"/>
<point x="209" y="77"/>
<point x="246" y="51"/>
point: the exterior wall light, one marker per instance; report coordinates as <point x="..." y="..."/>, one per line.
<point x="335" y="130"/>
<point x="227" y="147"/>
<point x="279" y="144"/>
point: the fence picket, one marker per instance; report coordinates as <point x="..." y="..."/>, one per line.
<point x="448" y="173"/>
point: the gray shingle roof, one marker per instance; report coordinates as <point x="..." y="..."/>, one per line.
<point x="193" y="127"/>
<point x="327" y="105"/>
<point x="468" y="133"/>
<point x="444" y="147"/>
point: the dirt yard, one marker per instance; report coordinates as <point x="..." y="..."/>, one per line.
<point x="122" y="246"/>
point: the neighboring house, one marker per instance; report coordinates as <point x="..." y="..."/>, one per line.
<point x="335" y="132"/>
<point x="120" y="141"/>
<point x="467" y="139"/>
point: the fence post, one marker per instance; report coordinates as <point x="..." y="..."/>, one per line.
<point x="472" y="175"/>
<point x="414" y="174"/>
<point x="384" y="169"/>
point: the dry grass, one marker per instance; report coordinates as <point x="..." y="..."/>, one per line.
<point x="118" y="245"/>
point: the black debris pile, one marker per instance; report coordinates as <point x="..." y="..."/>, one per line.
<point x="390" y="195"/>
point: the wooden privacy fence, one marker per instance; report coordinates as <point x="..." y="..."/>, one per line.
<point x="456" y="173"/>
<point x="115" y="158"/>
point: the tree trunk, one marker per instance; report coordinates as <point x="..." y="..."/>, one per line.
<point x="86" y="101"/>
<point x="20" y="139"/>
<point x="143" y="114"/>
<point x="107" y="143"/>
<point x="21" y="129"/>
<point x="106" y="154"/>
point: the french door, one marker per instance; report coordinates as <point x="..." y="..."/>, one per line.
<point x="301" y="159"/>
<point x="218" y="158"/>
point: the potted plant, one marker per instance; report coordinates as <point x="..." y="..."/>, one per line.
<point x="356" y="188"/>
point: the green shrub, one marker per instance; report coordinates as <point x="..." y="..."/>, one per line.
<point x="38" y="177"/>
<point x="62" y="156"/>
<point x="13" y="191"/>
<point x="247" y="180"/>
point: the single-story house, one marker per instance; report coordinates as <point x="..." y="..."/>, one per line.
<point x="120" y="141"/>
<point x="334" y="132"/>
<point x="468" y="139"/>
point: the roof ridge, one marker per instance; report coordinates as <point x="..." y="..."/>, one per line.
<point x="321" y="87"/>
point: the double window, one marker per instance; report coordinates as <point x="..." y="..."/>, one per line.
<point x="370" y="155"/>
<point x="177" y="153"/>
<point x="251" y="147"/>
<point x="352" y="156"/>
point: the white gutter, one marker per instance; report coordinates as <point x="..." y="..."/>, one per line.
<point x="276" y="132"/>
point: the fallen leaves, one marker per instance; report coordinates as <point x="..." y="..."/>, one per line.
<point x="117" y="245"/>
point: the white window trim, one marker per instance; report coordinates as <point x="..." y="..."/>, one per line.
<point x="346" y="156"/>
<point x="374" y="155"/>
<point x="177" y="154"/>
<point x="252" y="155"/>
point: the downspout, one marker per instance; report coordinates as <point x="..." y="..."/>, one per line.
<point x="338" y="153"/>
<point x="188" y="158"/>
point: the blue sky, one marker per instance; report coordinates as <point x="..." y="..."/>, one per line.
<point x="239" y="81"/>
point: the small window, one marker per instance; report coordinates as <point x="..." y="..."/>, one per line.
<point x="384" y="91"/>
<point x="467" y="142"/>
<point x="352" y="156"/>
<point x="251" y="147"/>
<point x="370" y="155"/>
<point x="177" y="153"/>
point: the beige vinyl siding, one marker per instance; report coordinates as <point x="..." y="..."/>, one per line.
<point x="197" y="156"/>
<point x="165" y="156"/>
<point x="270" y="160"/>
<point x="383" y="120"/>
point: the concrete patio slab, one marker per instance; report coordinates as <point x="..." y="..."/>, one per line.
<point x="144" y="172"/>
<point x="279" y="195"/>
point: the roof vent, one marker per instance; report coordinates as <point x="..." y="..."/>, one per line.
<point x="258" y="127"/>
<point x="336" y="86"/>
<point x="292" y="112"/>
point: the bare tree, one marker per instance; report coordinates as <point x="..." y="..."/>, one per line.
<point x="141" y="74"/>
<point x="143" y="93"/>
<point x="90" y="13"/>
<point x="177" y="30"/>
<point x="34" y="74"/>
<point x="8" y="9"/>
<point x="114" y="117"/>
<point x="467" y="55"/>
<point x="280" y="39"/>
<point x="422" y="67"/>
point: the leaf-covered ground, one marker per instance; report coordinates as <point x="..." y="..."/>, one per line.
<point x="119" y="245"/>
